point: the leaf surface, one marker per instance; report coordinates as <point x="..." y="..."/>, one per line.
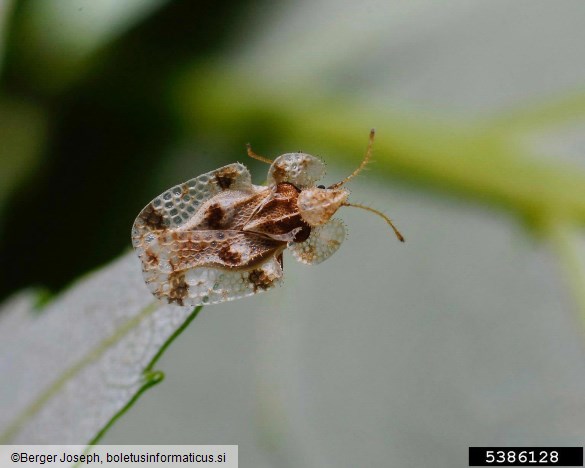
<point x="72" y="368"/>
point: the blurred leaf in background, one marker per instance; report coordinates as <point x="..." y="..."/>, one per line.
<point x="386" y="355"/>
<point x="106" y="98"/>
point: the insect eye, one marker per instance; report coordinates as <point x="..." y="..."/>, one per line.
<point x="321" y="186"/>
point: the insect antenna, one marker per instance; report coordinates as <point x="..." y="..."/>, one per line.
<point x="362" y="164"/>
<point x="382" y="215"/>
<point x="257" y="156"/>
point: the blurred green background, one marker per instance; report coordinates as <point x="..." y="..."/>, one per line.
<point x="387" y="354"/>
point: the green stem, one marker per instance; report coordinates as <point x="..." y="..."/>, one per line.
<point x="172" y="338"/>
<point x="151" y="378"/>
<point x="71" y="372"/>
<point x="471" y="160"/>
<point x="563" y="238"/>
<point x="555" y="111"/>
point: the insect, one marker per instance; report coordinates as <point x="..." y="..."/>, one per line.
<point x="217" y="237"/>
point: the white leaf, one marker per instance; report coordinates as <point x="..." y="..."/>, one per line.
<point x="68" y="369"/>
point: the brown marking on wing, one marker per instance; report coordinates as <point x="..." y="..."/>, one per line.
<point x="259" y="280"/>
<point x="184" y="190"/>
<point x="226" y="211"/>
<point x="152" y="218"/>
<point x="229" y="256"/>
<point x="151" y="259"/>
<point x="308" y="256"/>
<point x="225" y="178"/>
<point x="192" y="249"/>
<point x="214" y="216"/>
<point x="178" y="288"/>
